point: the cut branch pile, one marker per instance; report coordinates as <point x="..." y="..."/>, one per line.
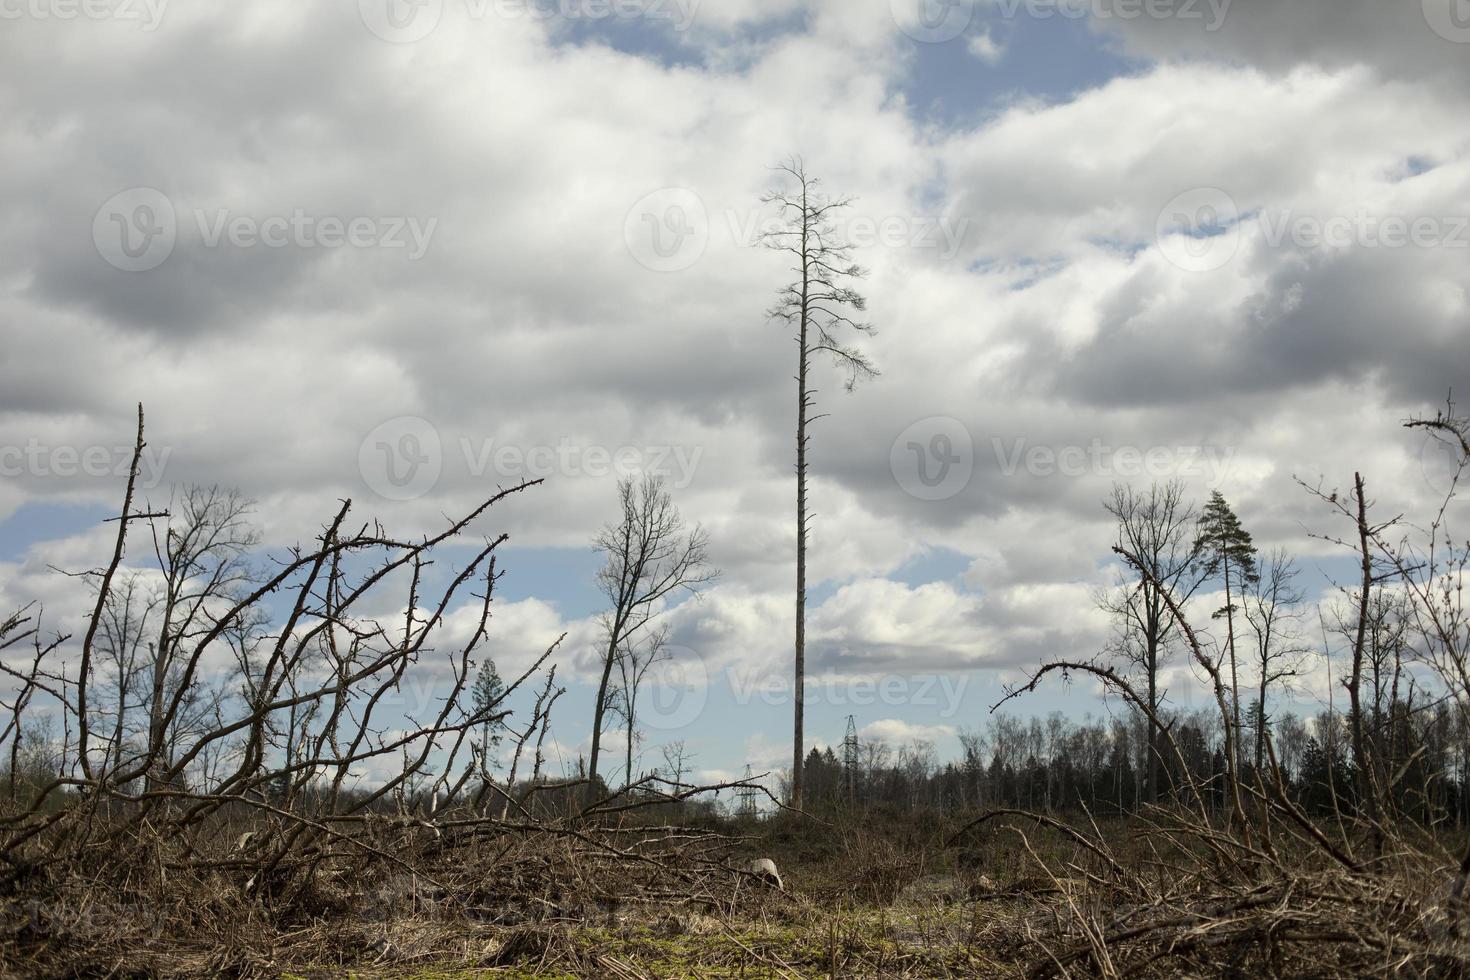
<point x="264" y="768"/>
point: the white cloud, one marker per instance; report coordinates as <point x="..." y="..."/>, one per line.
<point x="983" y="45"/>
<point x="1060" y="323"/>
<point x="896" y="732"/>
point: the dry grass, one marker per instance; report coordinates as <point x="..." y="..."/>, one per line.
<point x="871" y="899"/>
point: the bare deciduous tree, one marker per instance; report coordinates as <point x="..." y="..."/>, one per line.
<point x="1272" y="607"/>
<point x="677" y="759"/>
<point x="148" y="617"/>
<point x="819" y="304"/>
<point x="649" y="557"/>
<point x="634" y="662"/>
<point x="1156" y="529"/>
<point x="123" y="653"/>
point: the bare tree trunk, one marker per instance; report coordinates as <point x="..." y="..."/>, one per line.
<point x="85" y="669"/>
<point x="816" y="303"/>
<point x="598" y="711"/>
<point x="1152" y="741"/>
<point x="1365" y="796"/>
<point x="1230" y="645"/>
<point x="628" y="777"/>
<point x="802" y="401"/>
<point x="1261" y="722"/>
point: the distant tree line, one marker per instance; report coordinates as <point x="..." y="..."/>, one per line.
<point x="1055" y="764"/>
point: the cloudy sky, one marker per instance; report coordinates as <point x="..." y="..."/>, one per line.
<point x="404" y="251"/>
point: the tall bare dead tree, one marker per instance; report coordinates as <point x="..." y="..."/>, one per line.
<point x="819" y="305"/>
<point x="649" y="557"/>
<point x="1156" y="528"/>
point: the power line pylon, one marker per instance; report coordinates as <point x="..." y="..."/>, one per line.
<point x="850" y="760"/>
<point x="746" y="795"/>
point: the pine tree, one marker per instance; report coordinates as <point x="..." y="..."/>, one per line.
<point x="1226" y="550"/>
<point x="485" y="696"/>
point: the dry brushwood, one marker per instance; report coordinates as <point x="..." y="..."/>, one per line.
<point x="1242" y="879"/>
<point x="209" y="779"/>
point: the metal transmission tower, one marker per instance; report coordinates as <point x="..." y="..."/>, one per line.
<point x="747" y="796"/>
<point x="850" y="760"/>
